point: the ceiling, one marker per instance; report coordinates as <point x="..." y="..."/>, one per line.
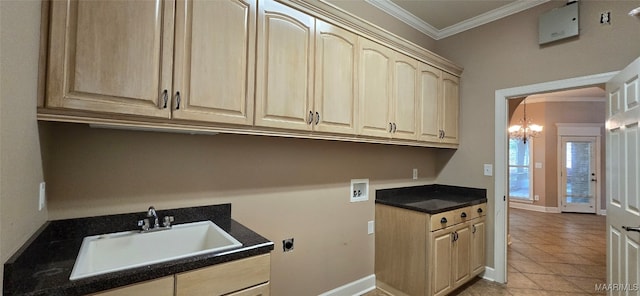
<point x="442" y="18"/>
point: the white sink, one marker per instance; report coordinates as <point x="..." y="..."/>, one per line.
<point x="100" y="254"/>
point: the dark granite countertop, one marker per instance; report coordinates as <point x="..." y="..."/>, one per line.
<point x="431" y="199"/>
<point x="43" y="265"/>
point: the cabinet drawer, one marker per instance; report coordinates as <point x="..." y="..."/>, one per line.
<point x="462" y="215"/>
<point x="261" y="290"/>
<point x="442" y="220"/>
<point x="478" y="211"/>
<point x="224" y="278"/>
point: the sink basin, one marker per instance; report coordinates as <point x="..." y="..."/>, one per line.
<point x="100" y="254"/>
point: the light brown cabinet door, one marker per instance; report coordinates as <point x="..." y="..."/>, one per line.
<point x="260" y="290"/>
<point x="450" y="97"/>
<point x="461" y="255"/>
<point x="441" y="268"/>
<point x="214" y="61"/>
<point x="430" y="103"/>
<point x="111" y="56"/>
<point x="336" y="83"/>
<point x="159" y="287"/>
<point x="285" y="61"/>
<point x="375" y="89"/>
<point x="478" y="247"/>
<point x="405" y="97"/>
<point x="224" y="278"/>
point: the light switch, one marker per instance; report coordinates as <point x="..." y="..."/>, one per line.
<point x="488" y="169"/>
<point x="538" y="165"/>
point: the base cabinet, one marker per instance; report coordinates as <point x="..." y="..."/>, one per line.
<point x="421" y="254"/>
<point x="244" y="277"/>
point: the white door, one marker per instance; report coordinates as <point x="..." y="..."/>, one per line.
<point x="578" y="174"/>
<point x="623" y="181"/>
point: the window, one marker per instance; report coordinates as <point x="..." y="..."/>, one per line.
<point x="520" y="169"/>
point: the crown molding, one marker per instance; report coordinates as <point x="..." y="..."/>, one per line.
<point x="408" y="18"/>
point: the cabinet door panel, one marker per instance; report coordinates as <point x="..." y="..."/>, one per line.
<point x="405" y="98"/>
<point x="478" y="248"/>
<point x="285" y="63"/>
<point x="375" y="89"/>
<point x="430" y="81"/>
<point x="450" y="88"/>
<point x="111" y="56"/>
<point x="441" y="262"/>
<point x="336" y="82"/>
<point x="214" y="64"/>
<point x="461" y="256"/>
<point x="160" y="287"/>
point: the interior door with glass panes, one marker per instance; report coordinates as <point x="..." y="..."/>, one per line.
<point x="578" y="174"/>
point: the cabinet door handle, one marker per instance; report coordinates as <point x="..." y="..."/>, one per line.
<point x="165" y="98"/>
<point x="443" y="220"/>
<point x="463" y="215"/>
<point x="453" y="237"/>
<point x="177" y="100"/>
<point x="474" y="229"/>
<point x="443" y="134"/>
<point x="317" y="117"/>
<point x="395" y="127"/>
<point x="479" y="210"/>
<point x="310" y="117"/>
<point x="627" y="228"/>
<point x="390" y="127"/>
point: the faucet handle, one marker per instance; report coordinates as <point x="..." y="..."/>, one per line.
<point x="144" y="223"/>
<point x="167" y="221"/>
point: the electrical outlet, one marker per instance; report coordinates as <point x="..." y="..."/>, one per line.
<point x="42" y="200"/>
<point x="370" y="227"/>
<point x="605" y="18"/>
<point x="287" y="245"/>
<point x="415" y="174"/>
<point x="536" y="197"/>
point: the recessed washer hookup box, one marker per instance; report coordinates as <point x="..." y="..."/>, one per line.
<point x="559" y="23"/>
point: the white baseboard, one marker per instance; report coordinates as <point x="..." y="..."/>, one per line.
<point x="603" y="212"/>
<point x="489" y="274"/>
<point x="535" y="208"/>
<point x="354" y="288"/>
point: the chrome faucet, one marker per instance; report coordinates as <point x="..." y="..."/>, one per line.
<point x="151" y="213"/>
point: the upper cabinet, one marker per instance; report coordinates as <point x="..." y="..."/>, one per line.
<point x="284" y="83"/>
<point x="336" y="84"/>
<point x="111" y="56"/>
<point x="388" y="92"/>
<point x="214" y="65"/>
<point x="438" y="93"/>
<point x="275" y="67"/>
<point x="118" y="57"/>
<point x="307" y="76"/>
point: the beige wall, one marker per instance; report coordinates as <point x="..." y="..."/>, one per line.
<point x="279" y="187"/>
<point x="506" y="54"/>
<point x="21" y="167"/>
<point x="376" y="16"/>
<point x="545" y="146"/>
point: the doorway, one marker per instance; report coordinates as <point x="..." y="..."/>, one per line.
<point x="579" y="173"/>
<point x="499" y="273"/>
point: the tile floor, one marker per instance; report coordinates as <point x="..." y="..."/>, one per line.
<point x="550" y="255"/>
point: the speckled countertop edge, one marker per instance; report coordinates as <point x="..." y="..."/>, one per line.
<point x="43" y="265"/>
<point x="403" y="197"/>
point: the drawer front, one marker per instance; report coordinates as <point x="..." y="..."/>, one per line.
<point x="478" y="211"/>
<point x="224" y="278"/>
<point x="442" y="220"/>
<point x="462" y="215"/>
<point x="159" y="287"/>
<point x="261" y="290"/>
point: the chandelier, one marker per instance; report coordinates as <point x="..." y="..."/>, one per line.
<point x="525" y="130"/>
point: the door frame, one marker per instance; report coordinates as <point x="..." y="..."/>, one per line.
<point x="500" y="203"/>
<point x="583" y="130"/>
